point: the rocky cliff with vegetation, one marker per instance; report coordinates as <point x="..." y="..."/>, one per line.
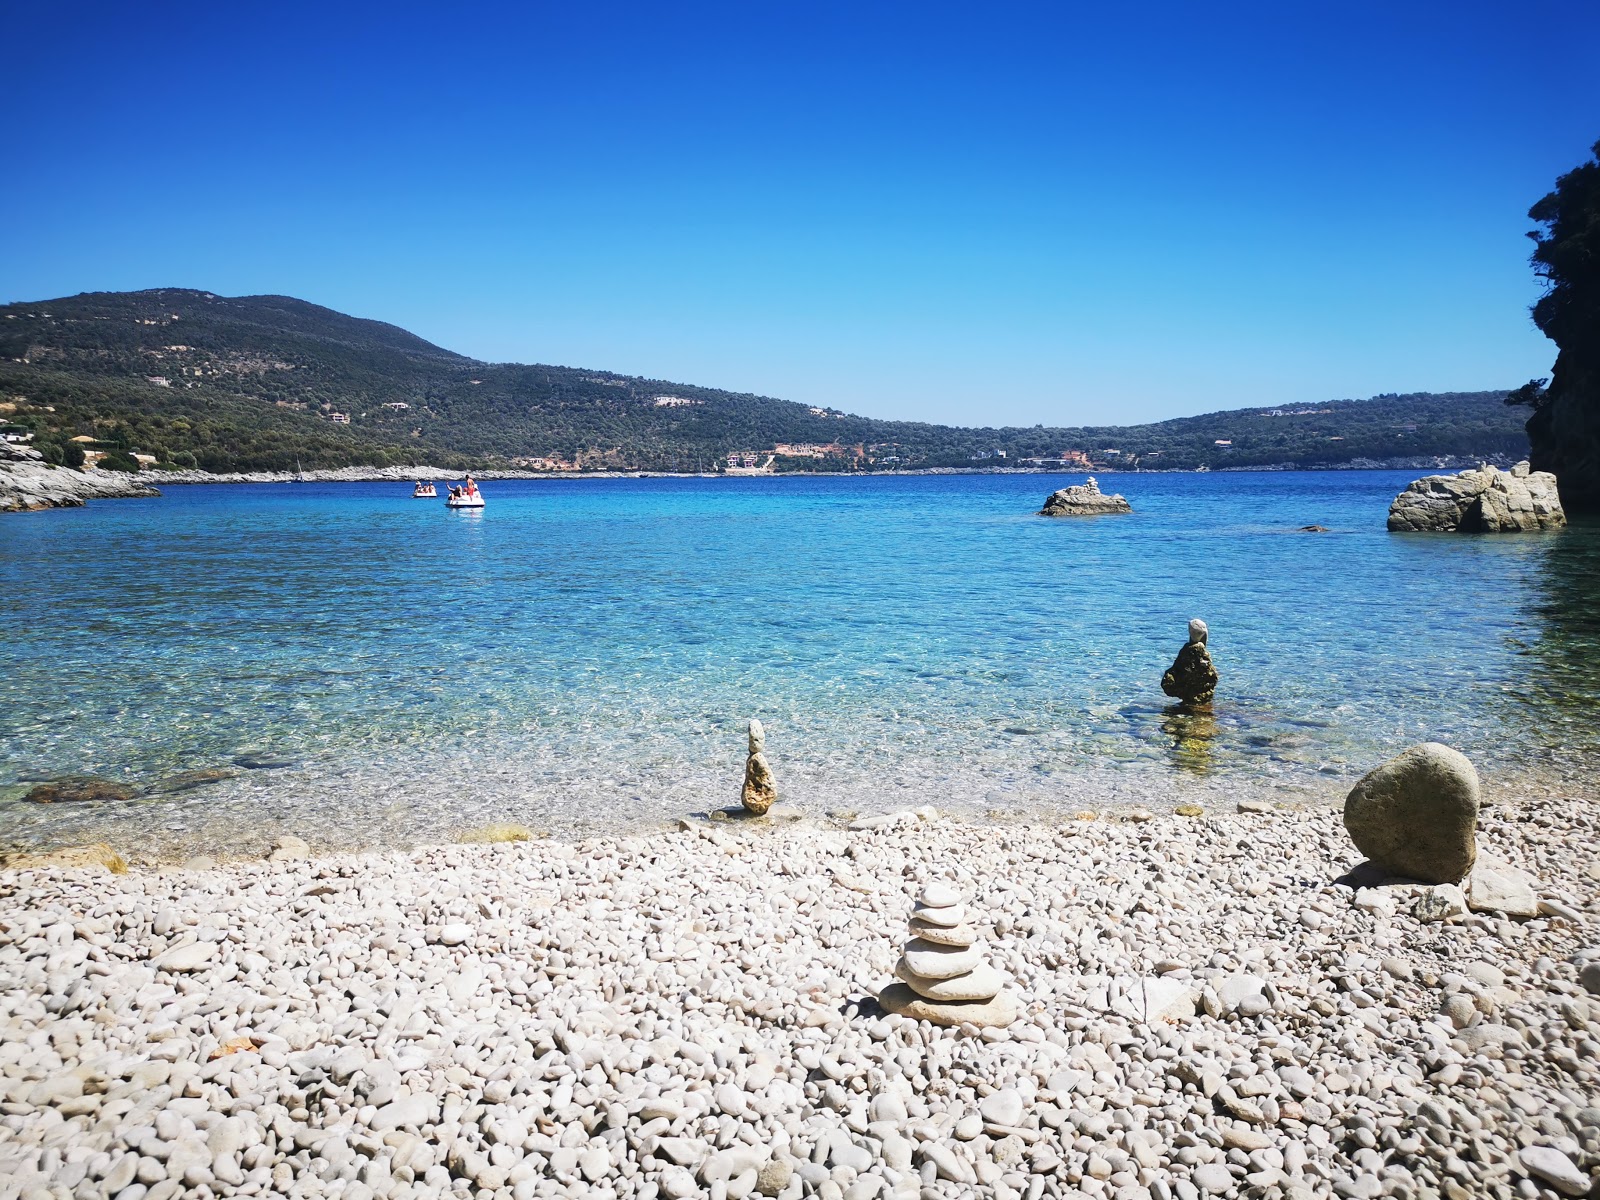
<point x="190" y="379"/>
<point x="1564" y="431"/>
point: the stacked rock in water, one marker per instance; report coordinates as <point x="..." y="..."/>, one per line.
<point x="760" y="788"/>
<point x="943" y="975"/>
<point x="1192" y="678"/>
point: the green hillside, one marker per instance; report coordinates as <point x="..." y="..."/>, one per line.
<point x="261" y="382"/>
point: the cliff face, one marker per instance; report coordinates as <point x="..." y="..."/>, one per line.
<point x="1564" y="435"/>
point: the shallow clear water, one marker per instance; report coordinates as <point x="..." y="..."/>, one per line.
<point x="584" y="654"/>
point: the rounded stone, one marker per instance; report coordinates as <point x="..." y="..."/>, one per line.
<point x="955" y="935"/>
<point x="1416" y="816"/>
<point x="985" y="1014"/>
<point x="983" y="982"/>
<point x="941" y="962"/>
<point x="940" y="895"/>
<point x="949" y="916"/>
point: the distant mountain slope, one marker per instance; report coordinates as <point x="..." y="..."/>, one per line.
<point x="260" y="382"/>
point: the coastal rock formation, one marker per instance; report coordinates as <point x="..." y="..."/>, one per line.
<point x="28" y="483"/>
<point x="1081" y="500"/>
<point x="760" y="789"/>
<point x="1192" y="678"/>
<point x="943" y="976"/>
<point x="1416" y="816"/>
<point x="1487" y="500"/>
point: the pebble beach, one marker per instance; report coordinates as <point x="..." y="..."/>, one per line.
<point x="1207" y="1008"/>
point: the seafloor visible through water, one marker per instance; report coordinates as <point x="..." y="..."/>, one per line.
<point x="582" y="655"/>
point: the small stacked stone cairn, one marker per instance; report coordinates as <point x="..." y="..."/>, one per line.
<point x="760" y="788"/>
<point x="943" y="976"/>
<point x="1192" y="678"/>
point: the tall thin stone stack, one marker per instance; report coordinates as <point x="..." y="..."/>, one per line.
<point x="760" y="788"/>
<point x="943" y="975"/>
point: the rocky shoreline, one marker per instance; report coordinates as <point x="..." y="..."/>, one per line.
<point x="1208" y="1007"/>
<point x="28" y="486"/>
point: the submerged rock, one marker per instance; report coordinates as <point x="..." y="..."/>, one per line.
<point x="1416" y="816"/>
<point x="1487" y="500"/>
<point x="80" y="789"/>
<point x="252" y="760"/>
<point x="96" y="855"/>
<point x="760" y="789"/>
<point x="189" y="780"/>
<point x="1084" y="499"/>
<point x="1192" y="678"/>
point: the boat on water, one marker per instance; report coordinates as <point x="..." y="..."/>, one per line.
<point x="423" y="491"/>
<point x="464" y="495"/>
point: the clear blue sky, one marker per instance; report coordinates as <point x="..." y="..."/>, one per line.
<point x="978" y="213"/>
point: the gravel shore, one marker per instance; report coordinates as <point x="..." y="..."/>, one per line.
<point x="1206" y="1012"/>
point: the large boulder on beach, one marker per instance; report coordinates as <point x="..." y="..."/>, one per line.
<point x="1485" y="500"/>
<point x="1083" y="500"/>
<point x="1416" y="816"/>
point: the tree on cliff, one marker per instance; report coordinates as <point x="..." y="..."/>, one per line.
<point x="1565" y="427"/>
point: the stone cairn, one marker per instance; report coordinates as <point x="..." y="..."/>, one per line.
<point x="1192" y="678"/>
<point x="760" y="788"/>
<point x="943" y="976"/>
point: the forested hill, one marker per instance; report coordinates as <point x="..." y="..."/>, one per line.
<point x="260" y="382"/>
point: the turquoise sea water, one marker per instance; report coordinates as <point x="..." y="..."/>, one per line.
<point x="583" y="655"/>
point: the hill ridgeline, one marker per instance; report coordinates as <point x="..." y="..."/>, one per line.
<point x="173" y="378"/>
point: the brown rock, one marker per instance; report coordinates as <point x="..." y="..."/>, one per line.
<point x="80" y="789"/>
<point x="1192" y="678"/>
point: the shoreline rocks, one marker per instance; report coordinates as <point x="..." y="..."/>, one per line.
<point x="689" y="1014"/>
<point x="1083" y="500"/>
<point x="29" y="484"/>
<point x="1485" y="500"/>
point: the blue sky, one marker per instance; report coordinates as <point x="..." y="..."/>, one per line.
<point x="1007" y="213"/>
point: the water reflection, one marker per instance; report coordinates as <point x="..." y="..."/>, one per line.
<point x="1193" y="730"/>
<point x="1559" y="691"/>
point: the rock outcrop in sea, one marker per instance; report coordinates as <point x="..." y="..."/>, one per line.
<point x="760" y="789"/>
<point x="1486" y="500"/>
<point x="943" y="975"/>
<point x="28" y="483"/>
<point x="1192" y="678"/>
<point x="1083" y="500"/>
